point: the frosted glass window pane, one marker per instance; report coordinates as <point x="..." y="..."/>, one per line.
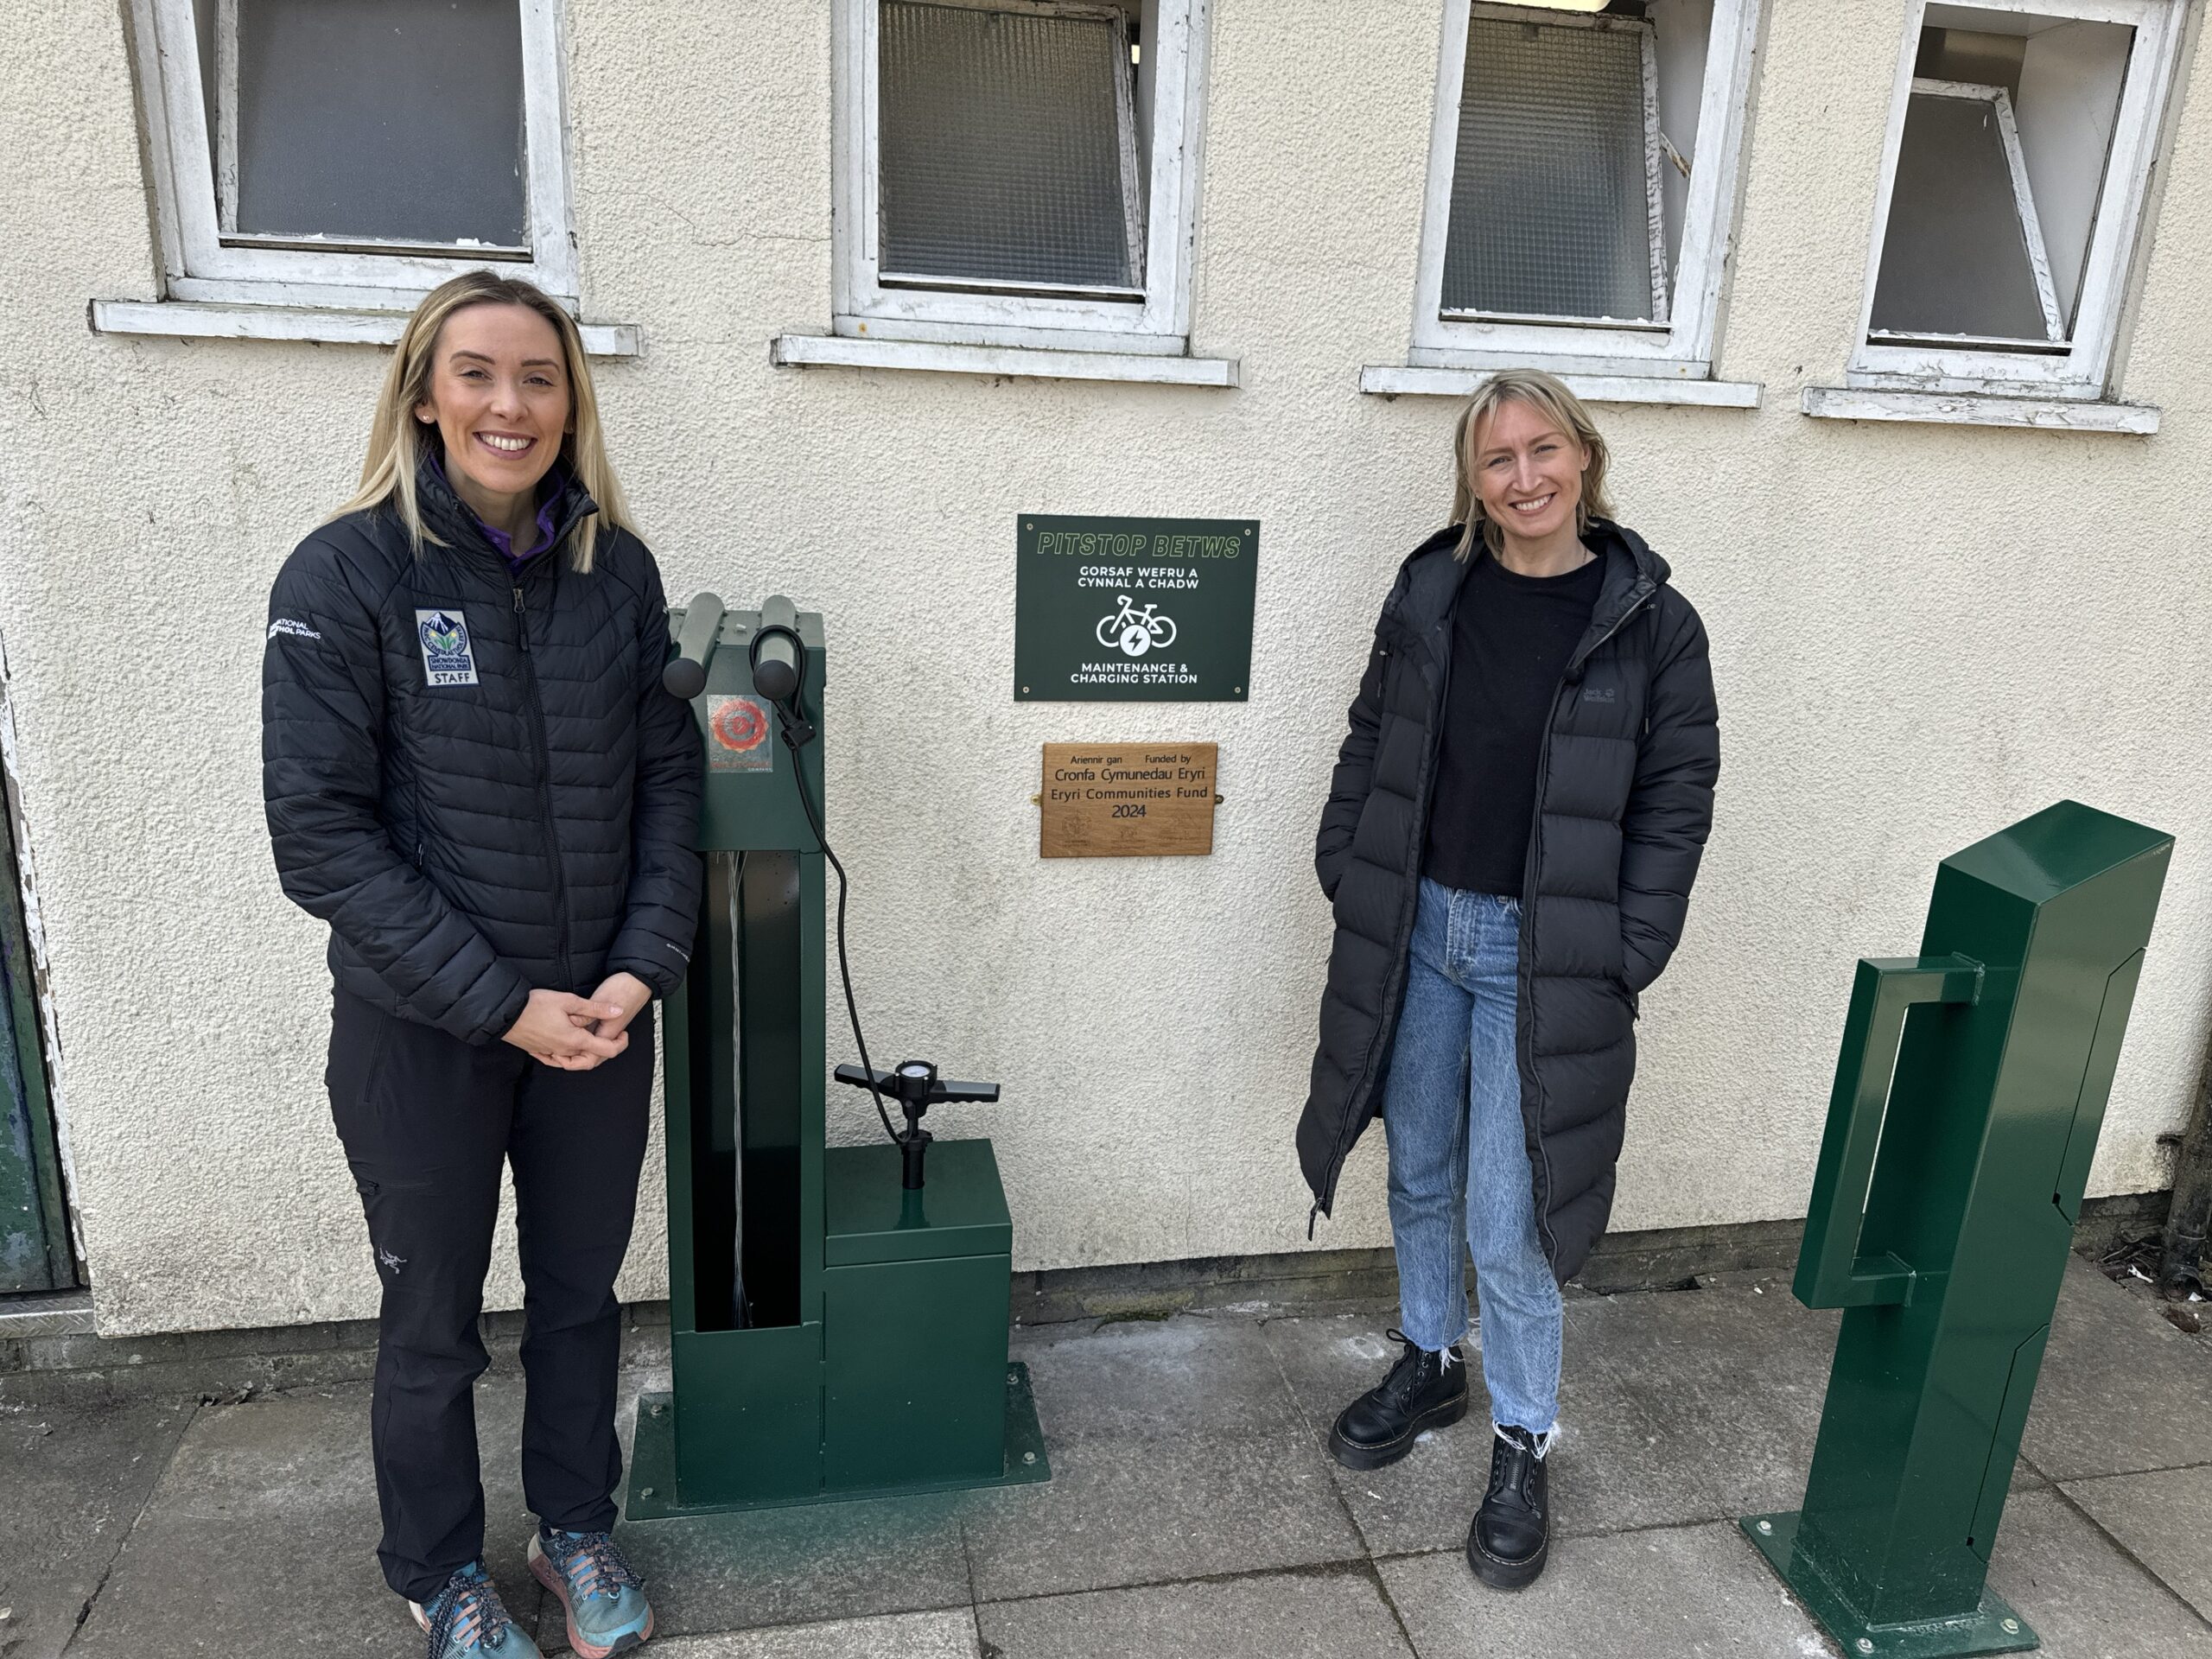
<point x="1955" y="258"/>
<point x="1001" y="142"/>
<point x="385" y="119"/>
<point x="1550" y="194"/>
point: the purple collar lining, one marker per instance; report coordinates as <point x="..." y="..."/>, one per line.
<point x="549" y="491"/>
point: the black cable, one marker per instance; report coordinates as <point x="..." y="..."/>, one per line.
<point x="814" y="822"/>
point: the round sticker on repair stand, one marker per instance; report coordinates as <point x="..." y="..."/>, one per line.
<point x="739" y="728"/>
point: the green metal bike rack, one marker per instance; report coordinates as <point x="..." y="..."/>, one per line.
<point x="834" y="1334"/>
<point x="1968" y="1099"/>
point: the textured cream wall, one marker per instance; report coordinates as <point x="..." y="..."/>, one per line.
<point x="1919" y="633"/>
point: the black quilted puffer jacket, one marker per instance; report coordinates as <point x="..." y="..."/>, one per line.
<point x="1624" y="800"/>
<point x="475" y="778"/>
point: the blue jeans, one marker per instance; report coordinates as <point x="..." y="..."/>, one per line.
<point x="1459" y="1159"/>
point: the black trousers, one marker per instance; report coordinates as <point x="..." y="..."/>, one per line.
<point x="428" y="1121"/>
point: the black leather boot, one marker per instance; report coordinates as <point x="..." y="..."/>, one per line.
<point x="1512" y="1532"/>
<point x="1423" y="1391"/>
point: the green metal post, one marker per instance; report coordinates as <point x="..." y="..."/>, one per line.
<point x="745" y="1108"/>
<point x="1968" y="1095"/>
<point x="831" y="1333"/>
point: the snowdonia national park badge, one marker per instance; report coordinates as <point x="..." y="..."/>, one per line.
<point x="448" y="658"/>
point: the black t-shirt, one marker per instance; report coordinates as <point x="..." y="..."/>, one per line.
<point x="1511" y="636"/>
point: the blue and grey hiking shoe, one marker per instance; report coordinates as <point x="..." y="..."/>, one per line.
<point x="604" y="1599"/>
<point x="466" y="1621"/>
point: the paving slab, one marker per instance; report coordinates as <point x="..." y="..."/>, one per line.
<point x="260" y="1537"/>
<point x="1733" y="1379"/>
<point x="2082" y="1594"/>
<point x="895" y="1636"/>
<point x="2163" y="1520"/>
<point x="1137" y="1513"/>
<point x="1322" y="1613"/>
<point x="1617" y="1468"/>
<point x="1177" y="1452"/>
<point x="1156" y="1379"/>
<point x="72" y="1480"/>
<point x="2121" y="1391"/>
<point x="782" y="1566"/>
<point x="1674" y="1593"/>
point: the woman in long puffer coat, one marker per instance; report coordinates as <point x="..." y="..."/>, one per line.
<point x="1517" y="817"/>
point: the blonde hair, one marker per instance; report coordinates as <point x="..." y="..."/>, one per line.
<point x="398" y="442"/>
<point x="1550" y="396"/>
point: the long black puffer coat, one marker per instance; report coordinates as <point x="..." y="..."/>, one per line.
<point x="475" y="778"/>
<point x="1623" y="801"/>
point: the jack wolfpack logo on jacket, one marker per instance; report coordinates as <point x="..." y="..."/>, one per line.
<point x="448" y="658"/>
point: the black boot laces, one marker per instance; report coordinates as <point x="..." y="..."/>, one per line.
<point x="1409" y="1375"/>
<point x="1513" y="1466"/>
<point x="469" y="1613"/>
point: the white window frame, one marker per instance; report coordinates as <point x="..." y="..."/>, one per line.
<point x="2082" y="369"/>
<point x="1155" y="318"/>
<point x="2023" y="208"/>
<point x="1679" y="343"/>
<point x="205" y="262"/>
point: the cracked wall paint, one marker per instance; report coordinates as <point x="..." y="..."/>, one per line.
<point x="1920" y="634"/>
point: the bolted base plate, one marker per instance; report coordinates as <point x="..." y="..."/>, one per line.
<point x="1993" y="1628"/>
<point x="652" y="1495"/>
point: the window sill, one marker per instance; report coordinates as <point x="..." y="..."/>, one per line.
<point x="841" y="352"/>
<point x="1395" y="380"/>
<point x="1977" y="408"/>
<point x="192" y="319"/>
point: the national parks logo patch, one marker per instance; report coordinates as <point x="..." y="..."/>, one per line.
<point x="448" y="658"/>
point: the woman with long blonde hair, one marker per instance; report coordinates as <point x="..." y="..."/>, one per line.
<point x="473" y="776"/>
<point x="1517" y="816"/>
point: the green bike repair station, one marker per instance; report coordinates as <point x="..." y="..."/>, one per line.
<point x="839" y="1314"/>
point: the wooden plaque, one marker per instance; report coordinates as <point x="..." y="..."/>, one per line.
<point x="1127" y="800"/>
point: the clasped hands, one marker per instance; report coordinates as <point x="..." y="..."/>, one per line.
<point x="575" y="1033"/>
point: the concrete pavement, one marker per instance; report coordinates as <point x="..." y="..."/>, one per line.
<point x="1192" y="1508"/>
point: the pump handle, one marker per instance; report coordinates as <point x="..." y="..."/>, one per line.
<point x="685" y="677"/>
<point x="939" y="1090"/>
<point x="1837" y="1265"/>
<point x="775" y="650"/>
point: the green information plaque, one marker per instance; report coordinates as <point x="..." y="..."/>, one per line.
<point x="1133" y="610"/>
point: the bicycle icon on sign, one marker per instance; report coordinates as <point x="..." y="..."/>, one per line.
<point x="1137" y="632"/>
